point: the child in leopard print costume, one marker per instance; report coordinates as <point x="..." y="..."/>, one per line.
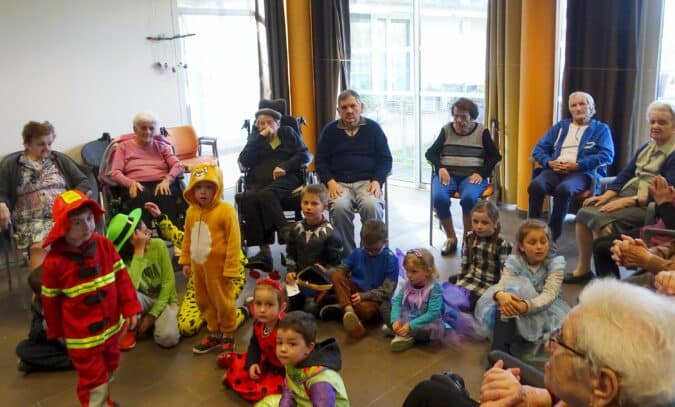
<point x="190" y="319"/>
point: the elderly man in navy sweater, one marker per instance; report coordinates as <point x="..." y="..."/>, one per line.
<point x="353" y="160"/>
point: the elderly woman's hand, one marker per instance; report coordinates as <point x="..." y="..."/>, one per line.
<point x="444" y="175"/>
<point x="278" y="172"/>
<point x="134" y="189"/>
<point x="619" y="203"/>
<point x="595" y="200"/>
<point x="661" y="191"/>
<point x="501" y="387"/>
<point x="634" y="253"/>
<point x="163" y="188"/>
<point x="5" y="216"/>
<point x="665" y="282"/>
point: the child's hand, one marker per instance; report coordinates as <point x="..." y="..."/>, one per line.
<point x="140" y="238"/>
<point x="152" y="209"/>
<point x="356" y="298"/>
<point x="291" y="278"/>
<point x="254" y="371"/>
<point x="405" y="329"/>
<point x="510" y="305"/>
<point x="186" y="270"/>
<point x="146" y="323"/>
<point x="396" y="326"/>
<point x="133" y="321"/>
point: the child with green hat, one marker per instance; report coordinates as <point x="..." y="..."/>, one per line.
<point x="151" y="271"/>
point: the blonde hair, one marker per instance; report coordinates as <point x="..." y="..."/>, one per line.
<point x="421" y="258"/>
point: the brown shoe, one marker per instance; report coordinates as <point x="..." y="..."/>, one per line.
<point x="450" y="246"/>
<point x="353" y="325"/>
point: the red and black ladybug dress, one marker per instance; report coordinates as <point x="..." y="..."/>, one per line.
<point x="261" y="350"/>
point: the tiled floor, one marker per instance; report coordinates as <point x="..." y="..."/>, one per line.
<point x="374" y="376"/>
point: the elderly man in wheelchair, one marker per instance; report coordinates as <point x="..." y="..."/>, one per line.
<point x="271" y="160"/>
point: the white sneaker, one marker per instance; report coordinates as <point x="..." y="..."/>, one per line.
<point x="401" y="343"/>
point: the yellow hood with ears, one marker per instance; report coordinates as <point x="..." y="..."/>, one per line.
<point x="204" y="173"/>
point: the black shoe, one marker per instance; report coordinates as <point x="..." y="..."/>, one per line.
<point x="450" y="247"/>
<point x="25" y="367"/>
<point x="261" y="261"/>
<point x="570" y="279"/>
<point x="330" y="312"/>
<point x="453" y="380"/>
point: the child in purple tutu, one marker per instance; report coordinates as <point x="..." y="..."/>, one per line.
<point x="423" y="310"/>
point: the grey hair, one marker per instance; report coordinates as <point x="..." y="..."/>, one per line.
<point x="348" y="93"/>
<point x="589" y="101"/>
<point x="144" y="117"/>
<point x="663" y="105"/>
<point x="630" y="330"/>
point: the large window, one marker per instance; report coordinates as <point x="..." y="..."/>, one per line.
<point x="666" y="81"/>
<point x="222" y="87"/>
<point x="411" y="59"/>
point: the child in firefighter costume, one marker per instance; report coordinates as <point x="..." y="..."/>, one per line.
<point x="211" y="254"/>
<point x="86" y="294"/>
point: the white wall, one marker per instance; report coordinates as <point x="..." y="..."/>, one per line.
<point x="85" y="66"/>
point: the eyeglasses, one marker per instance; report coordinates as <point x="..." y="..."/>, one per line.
<point x="556" y="338"/>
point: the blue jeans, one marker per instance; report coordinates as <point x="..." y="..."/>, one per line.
<point x="441" y="194"/>
<point x="563" y="188"/>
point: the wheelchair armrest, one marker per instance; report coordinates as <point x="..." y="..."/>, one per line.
<point x="208" y="141"/>
<point x="649" y="232"/>
<point x="240" y="185"/>
<point x="529" y="375"/>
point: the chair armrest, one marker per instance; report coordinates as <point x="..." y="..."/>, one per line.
<point x="529" y="375"/>
<point x="604" y="181"/>
<point x="649" y="232"/>
<point x="209" y="141"/>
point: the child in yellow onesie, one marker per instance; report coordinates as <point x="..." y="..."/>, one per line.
<point x="210" y="253"/>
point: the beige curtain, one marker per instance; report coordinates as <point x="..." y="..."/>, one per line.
<point x="502" y="90"/>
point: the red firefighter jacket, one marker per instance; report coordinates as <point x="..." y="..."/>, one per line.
<point x="86" y="292"/>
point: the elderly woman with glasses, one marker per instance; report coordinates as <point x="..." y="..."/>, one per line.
<point x="615" y="348"/>
<point x="462" y="157"/>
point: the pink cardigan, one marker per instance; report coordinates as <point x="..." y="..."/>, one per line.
<point x="154" y="162"/>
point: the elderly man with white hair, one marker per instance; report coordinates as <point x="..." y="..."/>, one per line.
<point x="615" y="348"/>
<point x="147" y="168"/>
<point x="569" y="154"/>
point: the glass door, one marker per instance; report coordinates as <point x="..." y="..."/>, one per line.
<point x="222" y="86"/>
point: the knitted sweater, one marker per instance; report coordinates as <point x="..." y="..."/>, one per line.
<point x="362" y="157"/>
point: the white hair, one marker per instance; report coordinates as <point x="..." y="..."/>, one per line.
<point x="663" y="105"/>
<point x="144" y="117"/>
<point x="630" y="330"/>
<point x="589" y="101"/>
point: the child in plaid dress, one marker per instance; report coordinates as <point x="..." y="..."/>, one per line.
<point x="483" y="253"/>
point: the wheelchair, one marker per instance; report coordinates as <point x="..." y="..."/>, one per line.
<point x="291" y="204"/>
<point x="112" y="194"/>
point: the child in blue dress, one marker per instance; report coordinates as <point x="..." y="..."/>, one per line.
<point x="527" y="302"/>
